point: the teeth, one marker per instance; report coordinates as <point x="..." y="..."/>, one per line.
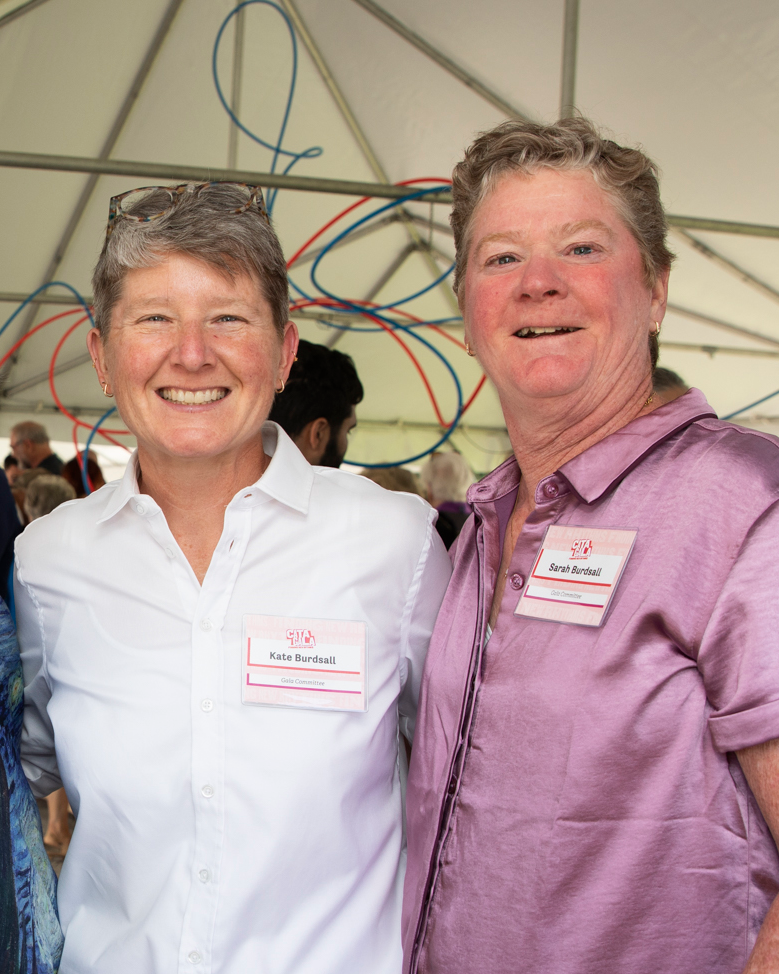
<point x="527" y="332"/>
<point x="188" y="397"/>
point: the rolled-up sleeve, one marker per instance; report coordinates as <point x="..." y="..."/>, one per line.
<point x="38" y="756"/>
<point x="425" y="595"/>
<point x="739" y="652"/>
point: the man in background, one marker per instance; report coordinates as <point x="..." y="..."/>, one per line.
<point x="30" y="446"/>
<point x="316" y="407"/>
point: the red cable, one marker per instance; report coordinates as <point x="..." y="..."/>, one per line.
<point x="325" y="302"/>
<point x="391" y="331"/>
<point x="32" y="331"/>
<point x="58" y="401"/>
<point x="321" y="230"/>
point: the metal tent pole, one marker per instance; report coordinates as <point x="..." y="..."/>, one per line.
<point x="360" y="137"/>
<point x="570" y="42"/>
<point x="441" y="59"/>
<point x="235" y="96"/>
<point x="183" y="173"/>
<point x="108" y="146"/>
<point x="20" y="11"/>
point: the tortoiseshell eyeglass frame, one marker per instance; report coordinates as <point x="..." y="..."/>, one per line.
<point x="176" y="192"/>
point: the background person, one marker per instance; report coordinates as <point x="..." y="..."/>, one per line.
<point x="393" y="478"/>
<point x="669" y="384"/>
<point x="316" y="407"/>
<point x="30" y="935"/>
<point x="224" y="818"/>
<point x="43" y="495"/>
<point x="30" y="445"/>
<point x="594" y="784"/>
<point x="446" y="478"/>
<point x="12" y="468"/>
<point x="19" y="491"/>
<point x="72" y="473"/>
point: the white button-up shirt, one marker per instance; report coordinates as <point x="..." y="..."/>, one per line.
<point x="211" y="835"/>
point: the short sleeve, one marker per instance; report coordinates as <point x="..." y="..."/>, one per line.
<point x="739" y="653"/>
<point x="426" y="593"/>
<point x="38" y="756"/>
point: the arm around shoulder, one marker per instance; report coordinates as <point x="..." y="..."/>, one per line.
<point x="425" y="596"/>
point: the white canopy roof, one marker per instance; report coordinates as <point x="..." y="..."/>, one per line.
<point x="696" y="84"/>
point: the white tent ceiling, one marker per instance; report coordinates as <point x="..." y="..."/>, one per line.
<point x="696" y="84"/>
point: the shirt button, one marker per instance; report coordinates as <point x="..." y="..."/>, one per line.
<point x="194" y="957"/>
<point x="516" y="581"/>
<point x="140" y="509"/>
<point x="551" y="489"/>
<point x="170" y="552"/>
<point x="205" y="625"/>
<point x="207" y="791"/>
<point x="207" y="705"/>
<point x="204" y="876"/>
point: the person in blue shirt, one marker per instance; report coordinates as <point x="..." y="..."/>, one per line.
<point x="30" y="935"/>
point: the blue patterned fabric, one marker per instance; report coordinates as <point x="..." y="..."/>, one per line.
<point x="30" y="936"/>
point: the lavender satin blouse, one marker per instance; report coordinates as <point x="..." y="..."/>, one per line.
<point x="574" y="803"/>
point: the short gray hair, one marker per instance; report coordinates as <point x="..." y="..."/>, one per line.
<point x="446" y="477"/>
<point x="199" y="225"/>
<point x="628" y="176"/>
<point x="32" y="431"/>
<point x="45" y="493"/>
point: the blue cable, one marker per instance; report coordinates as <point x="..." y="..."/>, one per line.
<point x="43" y="287"/>
<point x="277" y="148"/>
<point x="375" y="328"/>
<point x="751" y="405"/>
<point x="311" y="153"/>
<point x="95" y="428"/>
<point x="358" y="223"/>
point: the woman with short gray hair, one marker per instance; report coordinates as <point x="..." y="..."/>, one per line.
<point x="594" y="778"/>
<point x="222" y="649"/>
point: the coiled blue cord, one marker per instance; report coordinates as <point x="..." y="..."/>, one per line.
<point x="276" y="148"/>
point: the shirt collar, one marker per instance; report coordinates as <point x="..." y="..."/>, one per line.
<point x="593" y="472"/>
<point x="288" y="478"/>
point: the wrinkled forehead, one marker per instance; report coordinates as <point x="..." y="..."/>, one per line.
<point x="548" y="198"/>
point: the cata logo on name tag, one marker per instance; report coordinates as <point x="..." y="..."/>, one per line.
<point x="316" y="664"/>
<point x="575" y="574"/>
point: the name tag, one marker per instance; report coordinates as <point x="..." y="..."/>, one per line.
<point x="317" y="664"/>
<point x="575" y="574"/>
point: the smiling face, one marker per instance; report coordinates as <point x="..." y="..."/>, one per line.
<point x="194" y="359"/>
<point x="554" y="298"/>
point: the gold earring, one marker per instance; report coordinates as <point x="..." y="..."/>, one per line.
<point x="279" y="391"/>
<point x="656" y="332"/>
<point x="106" y="393"/>
<point x="468" y="350"/>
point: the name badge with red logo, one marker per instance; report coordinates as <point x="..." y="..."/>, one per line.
<point x="317" y="664"/>
<point x="575" y="574"/>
